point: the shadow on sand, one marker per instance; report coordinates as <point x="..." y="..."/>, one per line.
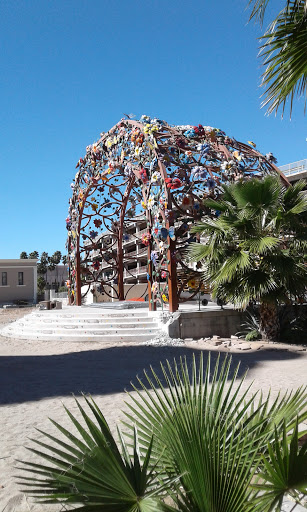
<point x="99" y="372"/>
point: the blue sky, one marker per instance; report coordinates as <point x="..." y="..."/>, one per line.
<point x="70" y="70"/>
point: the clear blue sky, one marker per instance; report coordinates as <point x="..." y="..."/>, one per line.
<point x="71" y="68"/>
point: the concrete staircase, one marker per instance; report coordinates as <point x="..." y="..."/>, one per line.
<point x="85" y="324"/>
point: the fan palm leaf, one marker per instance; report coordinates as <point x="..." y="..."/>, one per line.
<point x="92" y="471"/>
<point x="283" y="50"/>
<point x="212" y="432"/>
<point x="196" y="434"/>
<point x="284" y="471"/>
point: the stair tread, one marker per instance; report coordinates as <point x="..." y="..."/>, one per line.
<point x="84" y="325"/>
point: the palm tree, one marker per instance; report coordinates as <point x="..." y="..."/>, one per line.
<point x="198" y="437"/>
<point x="284" y="52"/>
<point x="254" y="250"/>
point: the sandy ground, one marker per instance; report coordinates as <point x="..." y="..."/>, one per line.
<point x="37" y="377"/>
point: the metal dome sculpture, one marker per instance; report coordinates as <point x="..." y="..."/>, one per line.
<point x="151" y="170"/>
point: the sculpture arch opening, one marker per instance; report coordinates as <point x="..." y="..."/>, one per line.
<point x="147" y="173"/>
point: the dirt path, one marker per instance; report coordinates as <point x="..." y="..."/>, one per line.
<point x="37" y="377"/>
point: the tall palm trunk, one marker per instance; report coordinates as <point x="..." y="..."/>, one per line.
<point x="269" y="321"/>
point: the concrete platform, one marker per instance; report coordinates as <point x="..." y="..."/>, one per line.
<point x="85" y="324"/>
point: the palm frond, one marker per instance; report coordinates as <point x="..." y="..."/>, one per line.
<point x="256" y="248"/>
<point x="212" y="432"/>
<point x="285" y="470"/>
<point x="236" y="264"/>
<point x="208" y="226"/>
<point x="92" y="471"/>
<point x="259" y="8"/>
<point x="284" y="54"/>
<point x="260" y="245"/>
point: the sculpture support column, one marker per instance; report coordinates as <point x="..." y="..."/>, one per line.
<point x="172" y="277"/>
<point x="151" y="301"/>
<point x="120" y="262"/>
<point x="78" y="277"/>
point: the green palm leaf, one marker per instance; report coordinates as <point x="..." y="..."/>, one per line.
<point x="283" y="50"/>
<point x="195" y="434"/>
<point x="284" y="472"/>
<point x="284" y="54"/>
<point x="93" y="472"/>
<point x="210" y="431"/>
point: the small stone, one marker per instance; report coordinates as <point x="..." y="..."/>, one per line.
<point x="244" y="346"/>
<point x="215" y="342"/>
<point x="256" y="346"/>
<point x="233" y="338"/>
<point x="215" y="337"/>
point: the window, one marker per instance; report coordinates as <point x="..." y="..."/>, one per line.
<point x="20" y="278"/>
<point x="4" y="278"/>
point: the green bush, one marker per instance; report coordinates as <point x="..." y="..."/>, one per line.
<point x="195" y="437"/>
<point x="253" y="335"/>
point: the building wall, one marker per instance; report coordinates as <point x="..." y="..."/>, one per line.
<point x="202" y="324"/>
<point x="12" y="291"/>
<point x="136" y="292"/>
<point x="59" y="275"/>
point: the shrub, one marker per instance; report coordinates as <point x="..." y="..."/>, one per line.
<point x="197" y="437"/>
<point x="253" y="335"/>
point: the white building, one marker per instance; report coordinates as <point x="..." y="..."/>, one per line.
<point x="295" y="171"/>
<point x="135" y="260"/>
<point x="18" y="281"/>
<point x="56" y="277"/>
<point x="135" y="263"/>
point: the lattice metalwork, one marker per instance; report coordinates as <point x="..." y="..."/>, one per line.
<point x="148" y="171"/>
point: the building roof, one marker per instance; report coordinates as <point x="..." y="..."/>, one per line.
<point x="26" y="261"/>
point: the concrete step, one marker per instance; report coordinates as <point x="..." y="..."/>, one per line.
<point x="57" y="330"/>
<point x="110" y="338"/>
<point x="86" y="326"/>
<point x="80" y="321"/>
<point x="81" y="324"/>
<point x="85" y="313"/>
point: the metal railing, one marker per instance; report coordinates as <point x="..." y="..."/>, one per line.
<point x="134" y="271"/>
<point x="294" y="167"/>
<point x="141" y="252"/>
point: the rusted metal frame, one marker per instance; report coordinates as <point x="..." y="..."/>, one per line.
<point x="131" y="287"/>
<point x="151" y="301"/>
<point x="224" y="150"/>
<point x="101" y="251"/>
<point x="258" y="155"/>
<point x="126" y="195"/>
<point x="69" y="272"/>
<point x="78" y="276"/>
<point x="159" y="137"/>
<point x="78" y="266"/>
<point x="120" y="257"/>
<point x="171" y="266"/>
<point x="284" y="179"/>
<point x="144" y="191"/>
